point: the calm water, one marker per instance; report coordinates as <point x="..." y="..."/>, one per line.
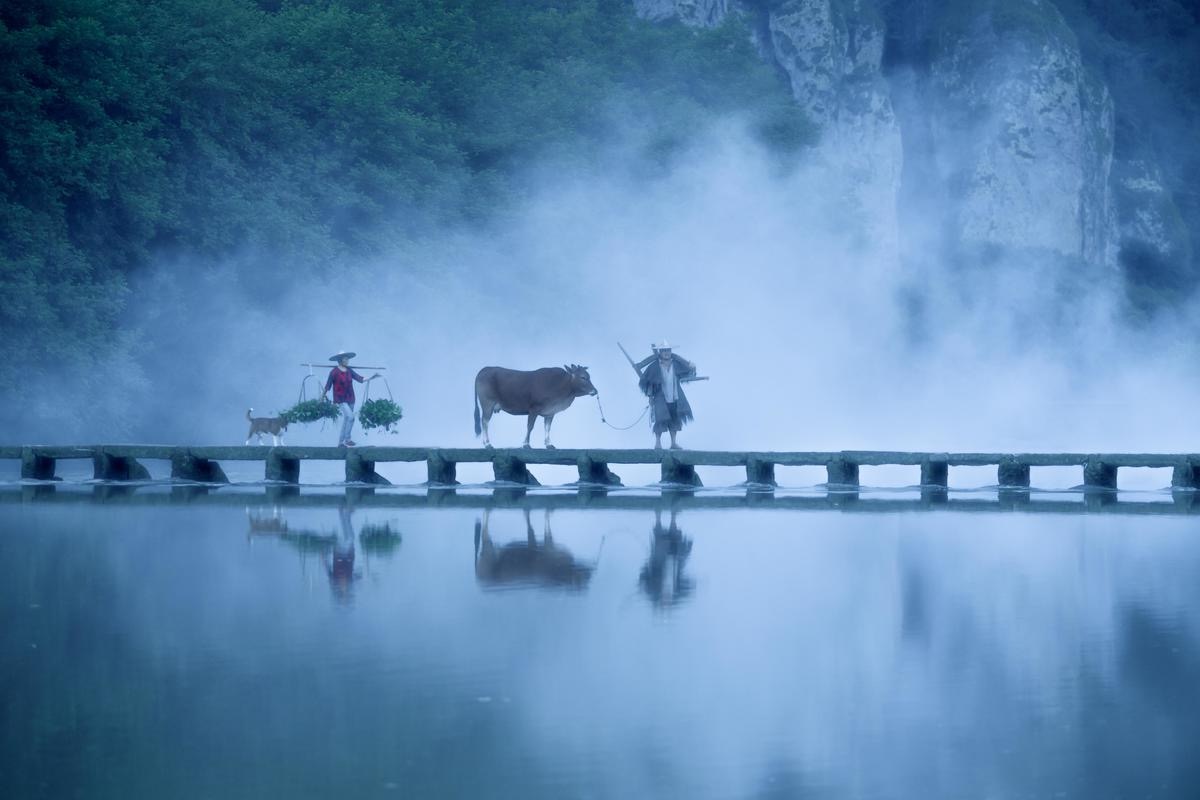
<point x="248" y="650"/>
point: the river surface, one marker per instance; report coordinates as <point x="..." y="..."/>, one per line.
<point x="333" y="645"/>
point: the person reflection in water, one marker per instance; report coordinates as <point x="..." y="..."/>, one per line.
<point x="339" y="565"/>
<point x="527" y="563"/>
<point x="662" y="577"/>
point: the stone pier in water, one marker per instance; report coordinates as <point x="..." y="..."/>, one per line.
<point x="1098" y="471"/>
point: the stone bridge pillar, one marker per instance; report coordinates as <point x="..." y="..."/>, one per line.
<point x="1098" y="475"/>
<point x="840" y="472"/>
<point x="1012" y="473"/>
<point x="675" y="471"/>
<point x="36" y="467"/>
<point x="1185" y="476"/>
<point x="935" y="471"/>
<point x="760" y="472"/>
<point x="511" y="469"/>
<point x="187" y="467"/>
<point x="282" y="467"/>
<point x="439" y="471"/>
<point x="596" y="472"/>
<point x="360" y="470"/>
<point x="107" y="467"/>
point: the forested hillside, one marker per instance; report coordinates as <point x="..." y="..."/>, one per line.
<point x="297" y="136"/>
<point x="285" y="141"/>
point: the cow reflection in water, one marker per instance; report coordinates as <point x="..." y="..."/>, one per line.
<point x="527" y="563"/>
<point x="662" y="577"/>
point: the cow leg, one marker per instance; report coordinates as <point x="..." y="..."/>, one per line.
<point x="529" y="427"/>
<point x="529" y="537"/>
<point x="547" y="536"/>
<point x="484" y="419"/>
<point x="548" y="420"/>
<point x="485" y="551"/>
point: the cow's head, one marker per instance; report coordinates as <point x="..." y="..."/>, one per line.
<point x="581" y="382"/>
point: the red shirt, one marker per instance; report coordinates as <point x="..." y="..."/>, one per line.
<point x="342" y="382"/>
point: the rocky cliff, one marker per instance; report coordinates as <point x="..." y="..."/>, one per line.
<point x="972" y="127"/>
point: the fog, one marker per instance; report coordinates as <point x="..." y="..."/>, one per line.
<point x="813" y="336"/>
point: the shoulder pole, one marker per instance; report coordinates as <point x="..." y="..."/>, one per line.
<point x="632" y="363"/>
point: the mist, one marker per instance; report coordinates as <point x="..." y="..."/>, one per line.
<point x="814" y="337"/>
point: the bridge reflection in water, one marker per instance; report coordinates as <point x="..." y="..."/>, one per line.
<point x="1004" y="500"/>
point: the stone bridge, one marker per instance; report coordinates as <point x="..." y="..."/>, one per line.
<point x="122" y="462"/>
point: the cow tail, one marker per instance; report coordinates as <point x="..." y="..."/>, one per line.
<point x="478" y="426"/>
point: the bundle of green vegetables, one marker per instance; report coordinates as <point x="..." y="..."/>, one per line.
<point x="379" y="414"/>
<point x="310" y="411"/>
<point x="379" y="539"/>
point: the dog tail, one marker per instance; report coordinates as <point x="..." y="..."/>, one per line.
<point x="478" y="426"/>
<point x="248" y="411"/>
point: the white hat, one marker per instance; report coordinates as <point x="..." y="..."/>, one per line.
<point x="344" y="354"/>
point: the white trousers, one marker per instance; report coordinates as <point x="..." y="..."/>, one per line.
<point x="347" y="422"/>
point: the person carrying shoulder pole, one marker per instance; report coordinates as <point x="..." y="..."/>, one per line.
<point x="341" y="379"/>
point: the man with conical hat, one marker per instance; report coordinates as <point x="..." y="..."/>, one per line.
<point x="662" y="375"/>
<point x="341" y="379"/>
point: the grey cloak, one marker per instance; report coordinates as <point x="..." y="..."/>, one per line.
<point x="651" y="385"/>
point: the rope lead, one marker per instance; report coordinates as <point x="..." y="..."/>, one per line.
<point x="614" y="427"/>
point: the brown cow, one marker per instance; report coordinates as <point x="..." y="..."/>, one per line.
<point x="527" y="563"/>
<point x="540" y="393"/>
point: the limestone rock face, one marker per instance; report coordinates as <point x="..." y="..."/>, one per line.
<point x="1151" y="233"/>
<point x="832" y="52"/>
<point x="1023" y="134"/>
<point x="999" y="130"/>
<point x="704" y="13"/>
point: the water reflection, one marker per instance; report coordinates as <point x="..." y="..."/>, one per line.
<point x="340" y="567"/>
<point x="829" y="655"/>
<point x="662" y="578"/>
<point x="546" y="565"/>
<point x="336" y="549"/>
